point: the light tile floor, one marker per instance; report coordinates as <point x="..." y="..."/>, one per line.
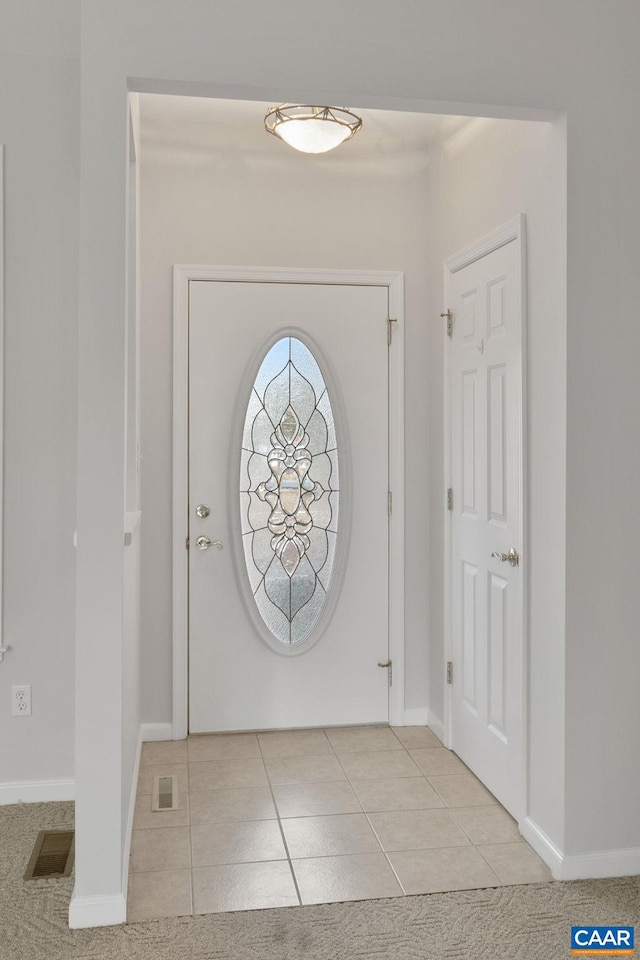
<point x="315" y="816"/>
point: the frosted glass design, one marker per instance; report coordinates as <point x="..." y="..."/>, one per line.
<point x="289" y="491"/>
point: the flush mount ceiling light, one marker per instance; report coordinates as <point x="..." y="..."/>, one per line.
<point x="312" y="129"/>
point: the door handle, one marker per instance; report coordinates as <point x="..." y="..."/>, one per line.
<point x="511" y="557"/>
<point x="203" y="543"/>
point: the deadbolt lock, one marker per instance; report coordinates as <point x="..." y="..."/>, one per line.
<point x="202" y="510"/>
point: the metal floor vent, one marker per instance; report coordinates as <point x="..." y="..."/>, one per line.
<point x="165" y="793"/>
<point x="52" y="855"/>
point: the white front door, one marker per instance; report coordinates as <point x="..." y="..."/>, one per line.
<point x="485" y="298"/>
<point x="276" y="637"/>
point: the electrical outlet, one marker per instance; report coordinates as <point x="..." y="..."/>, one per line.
<point x="21" y="700"/>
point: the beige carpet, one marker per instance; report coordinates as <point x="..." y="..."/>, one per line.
<point x="510" y="923"/>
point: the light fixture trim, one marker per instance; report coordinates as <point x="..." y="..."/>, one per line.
<point x="287" y="122"/>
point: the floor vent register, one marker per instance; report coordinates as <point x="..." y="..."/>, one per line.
<point x="52" y="855"/>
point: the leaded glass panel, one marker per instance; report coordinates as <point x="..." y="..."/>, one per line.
<point x="289" y="491"/>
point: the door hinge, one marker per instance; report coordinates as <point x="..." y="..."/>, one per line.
<point x="390" y="502"/>
<point x="450" y="498"/>
<point x="449" y="316"/>
<point x="449" y="671"/>
<point x="390" y="322"/>
<point x="389" y="666"/>
<point x="187" y="543"/>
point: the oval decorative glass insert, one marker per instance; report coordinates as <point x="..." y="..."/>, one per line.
<point x="289" y="491"/>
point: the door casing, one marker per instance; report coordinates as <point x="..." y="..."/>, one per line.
<point x="394" y="282"/>
<point x="511" y="231"/>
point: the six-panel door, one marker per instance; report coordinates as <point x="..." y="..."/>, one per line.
<point x="486" y="399"/>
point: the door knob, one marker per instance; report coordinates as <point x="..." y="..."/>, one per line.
<point x="203" y="543"/>
<point x="511" y="557"/>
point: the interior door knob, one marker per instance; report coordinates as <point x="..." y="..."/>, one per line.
<point x="511" y="557"/>
<point x="203" y="543"/>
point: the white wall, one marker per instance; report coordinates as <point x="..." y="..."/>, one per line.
<point x="603" y="461"/>
<point x="39" y="114"/>
<point x="437" y="55"/>
<point x="487" y="173"/>
<point x="276" y="209"/>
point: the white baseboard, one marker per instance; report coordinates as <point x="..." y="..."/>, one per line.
<point x="584" y="866"/>
<point x="37" y="791"/>
<point x="97" y="911"/>
<point x="543" y="846"/>
<point x="415" y="717"/>
<point x="435" y="723"/>
<point x="604" y="863"/>
<point x="156" y="731"/>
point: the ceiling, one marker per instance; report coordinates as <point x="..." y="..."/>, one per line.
<point x="198" y="129"/>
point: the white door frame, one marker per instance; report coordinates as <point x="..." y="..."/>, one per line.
<point x="394" y="282"/>
<point x="512" y="231"/>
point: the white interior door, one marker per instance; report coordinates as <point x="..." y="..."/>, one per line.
<point x="241" y="675"/>
<point x="486" y="464"/>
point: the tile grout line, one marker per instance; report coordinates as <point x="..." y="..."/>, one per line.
<point x="363" y="811"/>
<point x="280" y="827"/>
<point x="493" y="870"/>
<point x="466" y="833"/>
<point x="371" y="827"/>
<point x="452" y="811"/>
<point x="446" y="808"/>
<point x="386" y="855"/>
<point x="347" y="778"/>
<point x="503" y="843"/>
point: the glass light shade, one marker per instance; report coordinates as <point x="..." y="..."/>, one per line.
<point x="312" y="136"/>
<point x="312" y="129"/>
